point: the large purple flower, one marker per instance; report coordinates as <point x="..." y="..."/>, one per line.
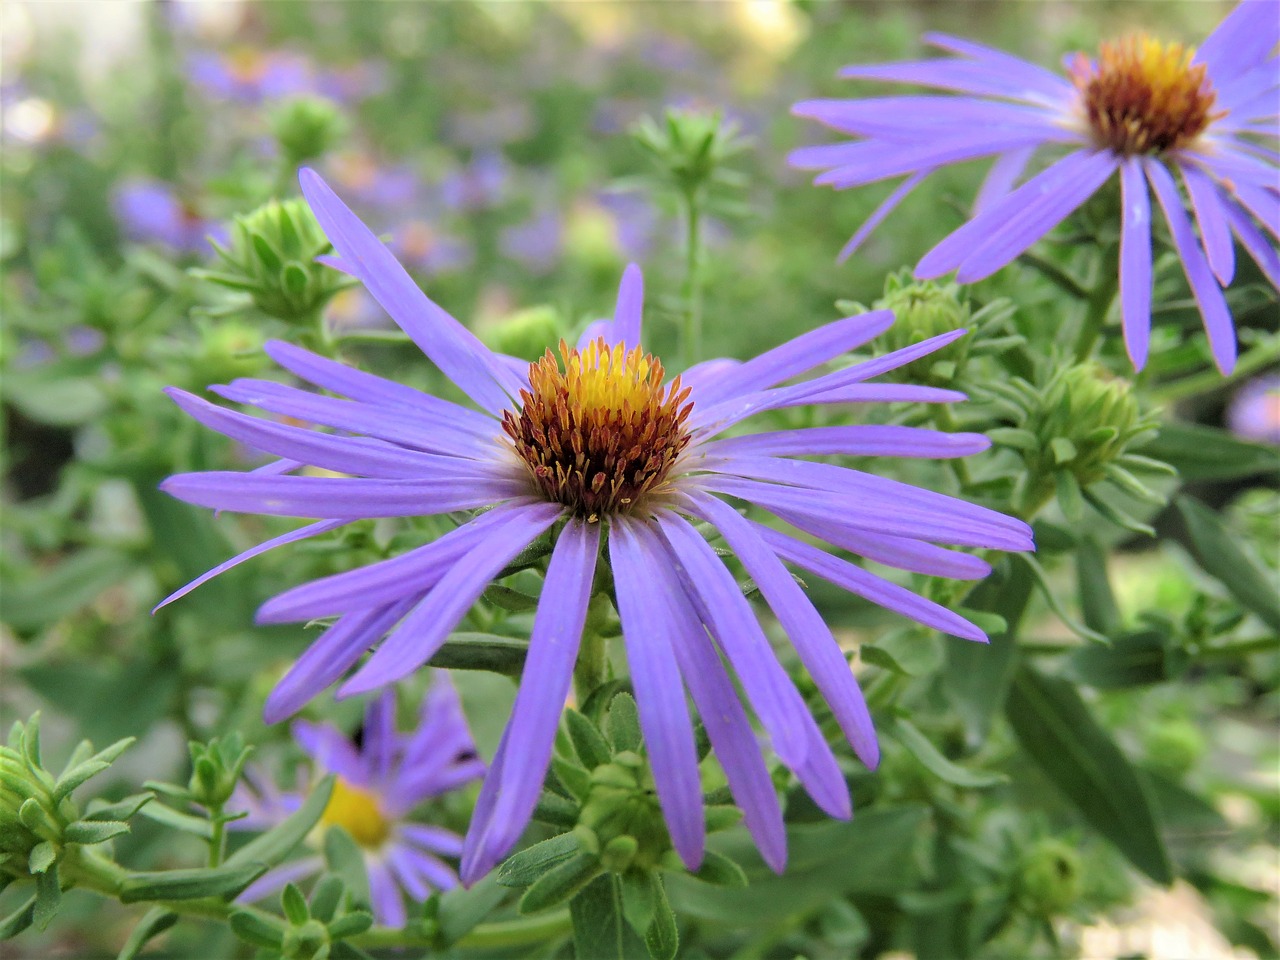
<point x="599" y="445"/>
<point x="379" y="784"/>
<point x="1142" y="109"/>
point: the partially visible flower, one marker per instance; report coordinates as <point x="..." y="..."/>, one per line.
<point x="249" y="75"/>
<point x="535" y="243"/>
<point x="591" y="444"/>
<point x="421" y="246"/>
<point x="1254" y="412"/>
<point x="388" y="186"/>
<point x="635" y="222"/>
<point x="150" y="211"/>
<point x="353" y="83"/>
<point x="1142" y="109"/>
<point x="480" y="184"/>
<point x="380" y="781"/>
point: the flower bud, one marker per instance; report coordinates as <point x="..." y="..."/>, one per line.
<point x="690" y="148"/>
<point x="923" y="309"/>
<point x="1050" y="880"/>
<point x="1175" y="745"/>
<point x="306" y="128"/>
<point x="525" y="334"/>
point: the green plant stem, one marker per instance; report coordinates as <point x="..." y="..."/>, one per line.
<point x="946" y="420"/>
<point x="591" y="667"/>
<point x="217" y="836"/>
<point x="1099" y="302"/>
<point x="691" y="348"/>
<point x="1260" y="356"/>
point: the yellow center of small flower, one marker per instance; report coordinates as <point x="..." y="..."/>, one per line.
<point x="598" y="431"/>
<point x="1144" y="96"/>
<point x="357" y="811"/>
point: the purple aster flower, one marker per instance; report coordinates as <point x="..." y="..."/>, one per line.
<point x="248" y="75"/>
<point x="1143" y="110"/>
<point x="1254" y="412"/>
<point x="379" y="784"/>
<point x="150" y="211"/>
<point x="598" y="446"/>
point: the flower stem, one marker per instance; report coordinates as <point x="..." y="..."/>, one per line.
<point x="589" y="672"/>
<point x="1263" y="355"/>
<point x="691" y="348"/>
<point x="1106" y="283"/>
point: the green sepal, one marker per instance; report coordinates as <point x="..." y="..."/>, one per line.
<point x="192" y="883"/>
<point x="72" y="777"/>
<point x="326" y="896"/>
<point x="48" y="896"/>
<point x="1115" y="516"/>
<point x="1014" y="437"/>
<point x="350" y="924"/>
<point x="576" y="780"/>
<point x="1063" y="450"/>
<point x="624" y="723"/>
<point x="509" y="599"/>
<point x="294" y="905"/>
<point x="153" y="923"/>
<point x="592" y="749"/>
<point x="258" y="929"/>
<point x="560" y="883"/>
<point x="555" y="810"/>
<point x="1070" y="496"/>
<point x="93" y="831"/>
<point x="277" y="843"/>
<point x="719" y="871"/>
<point x="722" y="816"/>
<point x="36" y="819"/>
<point x="525" y="867"/>
<point x="663" y="936"/>
<point x="19" y="920"/>
<point x="295" y="281"/>
<point x="266" y="252"/>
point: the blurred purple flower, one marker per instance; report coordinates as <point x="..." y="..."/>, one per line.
<point x="380" y="781"/>
<point x="536" y="243"/>
<point x="503" y="123"/>
<point x="480" y="184"/>
<point x="422" y="247"/>
<point x="1141" y="110"/>
<point x="150" y="211"/>
<point x="390" y="187"/>
<point x="634" y="221"/>
<point x="602" y="445"/>
<point x="353" y="83"/>
<point x="248" y="75"/>
<point x="1254" y="412"/>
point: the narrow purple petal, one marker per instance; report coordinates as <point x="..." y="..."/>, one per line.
<point x="1032" y="76"/>
<point x="1245" y="36"/>
<point x="276" y="879"/>
<point x="877" y="590"/>
<point x="1040" y="214"/>
<point x="594" y="330"/>
<point x="1135" y="261"/>
<point x="664" y="715"/>
<point x="450" y="346"/>
<point x="871" y="393"/>
<point x="965" y="76"/>
<point x="903" y="118"/>
<point x="553" y="646"/>
<point x="477" y="859"/>
<point x="890" y="203"/>
<point x="817" y="648"/>
<point x="293" y="536"/>
<point x="1252" y="239"/>
<point x="1214" y="232"/>
<point x="380" y="740"/>
<point x="628" y="312"/>
<point x="429" y="624"/>
<point x="436" y="840"/>
<point x="339" y="498"/>
<point x="883" y="159"/>
<point x="332" y="751"/>
<point x="862" y="440"/>
<point x="388" y="903"/>
<point x="1004" y="173"/>
<point x="1205" y="289"/>
<point x="419" y="873"/>
<point x="1261" y="202"/>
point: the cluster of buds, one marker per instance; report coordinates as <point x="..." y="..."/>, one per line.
<point x="603" y="793"/>
<point x="309" y="930"/>
<point x="690" y="149"/>
<point x="40" y="825"/>
<point x="271" y="256"/>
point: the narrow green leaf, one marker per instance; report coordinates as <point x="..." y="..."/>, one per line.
<point x="41" y="857"/>
<point x="19" y="920"/>
<point x="259" y="929"/>
<point x="294" y="905"/>
<point x="1070" y="496"/>
<point x="1097" y="602"/>
<point x="560" y="883"/>
<point x="624" y="723"/>
<point x="1132" y="660"/>
<point x="172" y="818"/>
<point x="1116" y="516"/>
<point x="1057" y="731"/>
<point x="1219" y="554"/>
<point x="345" y="860"/>
<point x="482" y="651"/>
<point x="326" y="895"/>
<point x="123" y="809"/>
<point x="509" y="599"/>
<point x="556" y="810"/>
<point x="637" y="899"/>
<point x="920" y="747"/>
<point x="576" y="780"/>
<point x="48" y="897"/>
<point x="719" y="871"/>
<point x="190" y="884"/>
<point x="1205" y="453"/>
<point x="460" y="909"/>
<point x="1055" y="604"/>
<point x="277" y="843"/>
<point x="350" y="924"/>
<point x="529" y="864"/>
<point x="591" y="747"/>
<point x="153" y="923"/>
<point x="93" y="831"/>
<point x="600" y="930"/>
<point x="662" y="937"/>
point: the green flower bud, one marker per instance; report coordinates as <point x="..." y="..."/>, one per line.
<point x="1175" y="745"/>
<point x="306" y="128"/>
<point x="690" y="148"/>
<point x="1086" y="420"/>
<point x="271" y="257"/>
<point x="1050" y="879"/>
<point x="526" y="334"/>
<point x="216" y="768"/>
<point x="923" y="309"/>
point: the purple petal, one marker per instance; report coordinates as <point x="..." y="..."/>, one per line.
<point x="380" y="740"/>
<point x="967" y="76"/>
<point x="1252" y="239"/>
<point x="477" y="860"/>
<point x="332" y="750"/>
<point x="388" y="904"/>
<point x="1002" y="176"/>
<point x="1214" y="232"/>
<point x="513" y="788"/>
<point x="882" y="160"/>
<point x="664" y="716"/>
<point x="331" y="656"/>
<point x="863" y="440"/>
<point x="429" y="624"/>
<point x="434" y="839"/>
<point x="1208" y="295"/>
<point x="903" y="119"/>
<point x="1135" y="261"/>
<point x="594" y="330"/>
<point x="630" y="307"/>
<point x="1247" y="35"/>
<point x="450" y="346"/>
<point x="1030" y="75"/>
<point x="302" y="533"/>
<point x="1040" y="214"/>
<point x="275" y="880"/>
<point x="817" y="648"/>
<point x="420" y="873"/>
<point x="877" y="217"/>
<point x="871" y="393"/>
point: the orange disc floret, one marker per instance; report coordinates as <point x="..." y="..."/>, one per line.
<point x="598" y="430"/>
<point x="1144" y="96"/>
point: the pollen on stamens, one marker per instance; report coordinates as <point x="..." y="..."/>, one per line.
<point x="1144" y="96"/>
<point x="598" y="430"/>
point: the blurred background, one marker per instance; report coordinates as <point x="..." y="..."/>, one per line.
<point x="491" y="144"/>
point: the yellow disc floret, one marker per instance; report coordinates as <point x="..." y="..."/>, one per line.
<point x="357" y="811"/>
<point x="598" y="431"/>
<point x="1144" y="96"/>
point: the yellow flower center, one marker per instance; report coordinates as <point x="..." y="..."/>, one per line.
<point x="356" y="810"/>
<point x="1144" y="96"/>
<point x="246" y="65"/>
<point x="598" y="431"/>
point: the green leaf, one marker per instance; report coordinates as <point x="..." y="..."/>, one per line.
<point x="509" y="599"/>
<point x="1219" y="554"/>
<point x="153" y="923"/>
<point x="663" y="936"/>
<point x="529" y="864"/>
<point x="482" y="651"/>
<point x="600" y="931"/>
<point x="48" y="897"/>
<point x="259" y="929"/>
<point x="1055" y="603"/>
<point x="190" y="884"/>
<point x="719" y="871"/>
<point x="1070" y="496"/>
<point x="460" y="909"/>
<point x="19" y="920"/>
<point x="591" y="747"/>
<point x="176" y="820"/>
<point x="33" y="601"/>
<point x="62" y="401"/>
<point x="1097" y="602"/>
<point x="576" y="780"/>
<point x="637" y="899"/>
<point x="556" y="811"/>
<point x="1057" y="731"/>
<point x="93" y="831"/>
<point x="277" y="843"/>
<point x="561" y="882"/>
<point x="1117" y="516"/>
<point x="42" y="856"/>
<point x="1132" y="660"/>
<point x="1204" y="453"/>
<point x="624" y="723"/>
<point x="123" y="809"/>
<point x="350" y="924"/>
<point x="294" y="905"/>
<point x="920" y="747"/>
<point x="344" y="858"/>
<point x="326" y="895"/>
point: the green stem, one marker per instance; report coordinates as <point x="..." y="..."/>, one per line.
<point x="217" y="836"/>
<point x="590" y="670"/>
<point x="1260" y="356"/>
<point x="946" y="420"/>
<point x="691" y="348"/>
<point x="1099" y="302"/>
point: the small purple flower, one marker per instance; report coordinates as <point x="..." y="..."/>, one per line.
<point x="1254" y="412"/>
<point x="248" y="75"/>
<point x="1142" y="109"/>
<point x="379" y="783"/>
<point x="536" y="243"/>
<point x="480" y="184"/>
<point x="150" y="211"/>
<point x="600" y="446"/>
